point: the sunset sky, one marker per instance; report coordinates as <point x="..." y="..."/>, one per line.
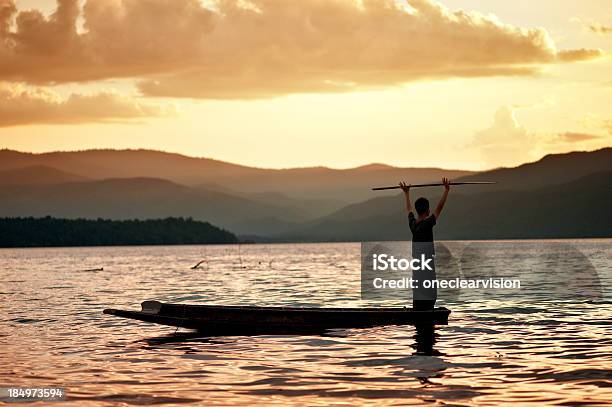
<point x="468" y="84"/>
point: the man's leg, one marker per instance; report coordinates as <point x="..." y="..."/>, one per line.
<point x="423" y="305"/>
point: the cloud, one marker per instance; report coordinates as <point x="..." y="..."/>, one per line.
<point x="593" y="26"/>
<point x="573" y="137"/>
<point x="576" y="55"/>
<point x="242" y="49"/>
<point x="505" y="142"/>
<point x="594" y="121"/>
<point x="600" y="29"/>
<point x="20" y="105"/>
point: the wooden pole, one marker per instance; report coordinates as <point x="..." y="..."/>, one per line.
<point x="436" y="185"/>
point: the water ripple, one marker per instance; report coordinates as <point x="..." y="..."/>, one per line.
<point x="496" y="350"/>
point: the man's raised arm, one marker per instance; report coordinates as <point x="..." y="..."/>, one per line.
<point x="440" y="206"/>
<point x="406" y="189"/>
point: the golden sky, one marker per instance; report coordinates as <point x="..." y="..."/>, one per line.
<point x="467" y="84"/>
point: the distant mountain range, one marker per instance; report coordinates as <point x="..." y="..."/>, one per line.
<point x="553" y="169"/>
<point x="579" y="208"/>
<point x="137" y="198"/>
<point x="37" y="175"/>
<point x="122" y="184"/>
<point x="561" y="195"/>
<point x="311" y="183"/>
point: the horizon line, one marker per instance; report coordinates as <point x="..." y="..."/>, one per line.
<point x="371" y="164"/>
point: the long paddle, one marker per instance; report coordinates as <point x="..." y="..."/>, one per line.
<point x="436" y="185"/>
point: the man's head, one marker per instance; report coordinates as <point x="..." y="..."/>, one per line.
<point x="422" y="206"/>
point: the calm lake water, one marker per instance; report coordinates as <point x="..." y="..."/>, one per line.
<point x="549" y="343"/>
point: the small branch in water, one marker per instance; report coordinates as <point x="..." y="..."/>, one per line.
<point x="98" y="269"/>
<point x="199" y="263"/>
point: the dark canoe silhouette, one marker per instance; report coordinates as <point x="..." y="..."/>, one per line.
<point x="246" y="319"/>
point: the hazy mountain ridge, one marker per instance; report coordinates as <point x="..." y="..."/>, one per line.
<point x="30" y="188"/>
<point x="579" y="208"/>
<point x="37" y="175"/>
<point x="135" y="198"/>
<point x="313" y="183"/>
<point x="550" y="170"/>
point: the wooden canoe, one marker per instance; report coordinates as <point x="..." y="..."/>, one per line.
<point x="220" y="319"/>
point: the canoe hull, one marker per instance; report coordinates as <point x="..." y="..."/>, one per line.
<point x="234" y="319"/>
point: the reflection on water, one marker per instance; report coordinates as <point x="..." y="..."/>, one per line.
<point x="424" y="340"/>
<point x="496" y="349"/>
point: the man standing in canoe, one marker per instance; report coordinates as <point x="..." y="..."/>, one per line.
<point x="424" y="298"/>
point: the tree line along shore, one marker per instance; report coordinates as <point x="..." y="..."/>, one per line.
<point x="54" y="232"/>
